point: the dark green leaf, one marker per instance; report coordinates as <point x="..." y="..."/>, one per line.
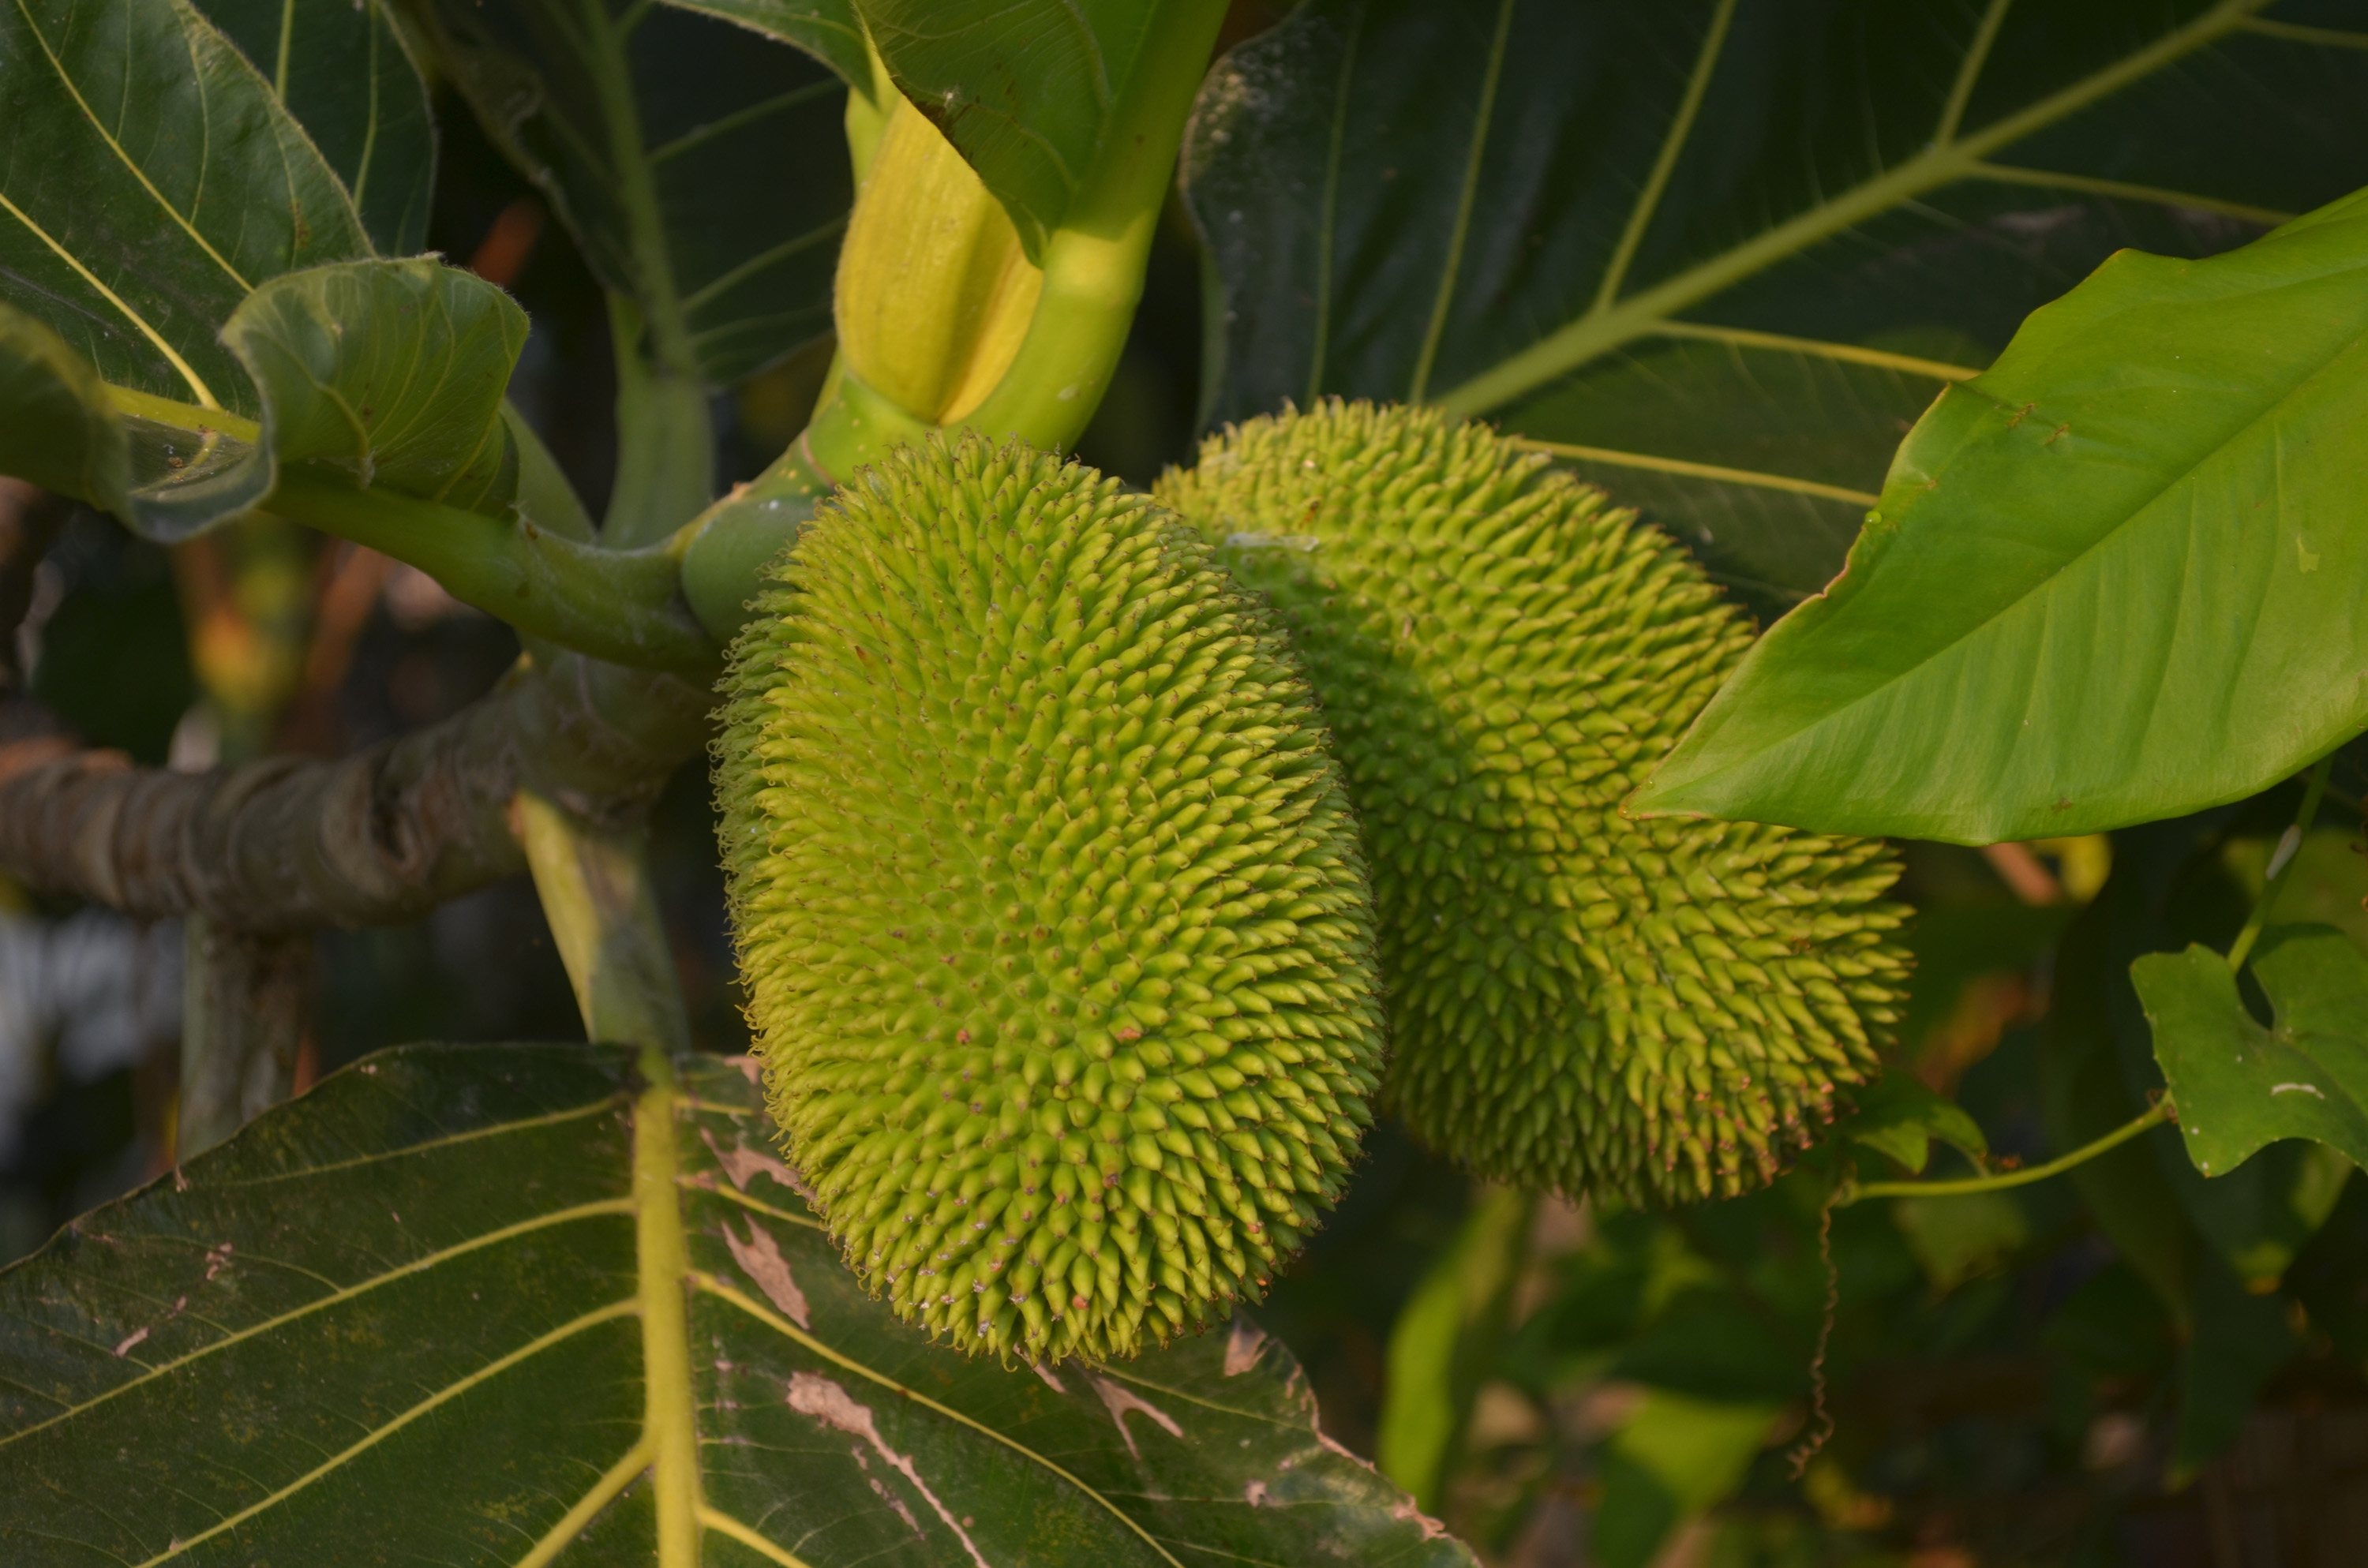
<point x="1897" y="1116"/>
<point x="2111" y="580"/>
<point x="1722" y="253"/>
<point x="385" y="373"/>
<point x="151" y="182"/>
<point x="1026" y="91"/>
<point x="700" y="168"/>
<point x="2239" y="1085"/>
<point x="827" y="29"/>
<point x="342" y="69"/>
<point x="421" y="1314"/>
<point x="56" y="429"/>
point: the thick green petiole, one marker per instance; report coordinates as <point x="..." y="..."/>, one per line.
<point x="617" y="605"/>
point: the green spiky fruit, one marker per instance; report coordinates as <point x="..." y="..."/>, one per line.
<point x="1660" y="1010"/>
<point x="1055" y="932"/>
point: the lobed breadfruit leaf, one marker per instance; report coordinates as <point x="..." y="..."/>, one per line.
<point x="1657" y="1010"/>
<point x="1055" y="927"/>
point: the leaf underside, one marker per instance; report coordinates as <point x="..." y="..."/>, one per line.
<point x="697" y="166"/>
<point x="342" y="69"/>
<point x="1719" y="254"/>
<point x="399" y="1320"/>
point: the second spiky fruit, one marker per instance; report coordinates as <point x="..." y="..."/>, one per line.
<point x="1054" y="928"/>
<point x="1659" y="1010"/>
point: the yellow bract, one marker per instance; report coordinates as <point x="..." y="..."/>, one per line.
<point x="934" y="291"/>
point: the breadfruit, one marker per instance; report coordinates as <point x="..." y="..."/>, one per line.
<point x="1658" y="1010"/>
<point x="1056" y="937"/>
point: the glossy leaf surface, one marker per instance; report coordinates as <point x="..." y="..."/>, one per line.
<point x="385" y="373"/>
<point x="2113" y="579"/>
<point x="2241" y="1086"/>
<point x="402" y="1320"/>
<point x="1720" y="254"/>
<point x="343" y="71"/>
<point x="1026" y="91"/>
<point x="151" y="181"/>
<point x="700" y="168"/>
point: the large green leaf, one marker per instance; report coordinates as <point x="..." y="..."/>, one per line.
<point x="1028" y="91"/>
<point x="150" y="181"/>
<point x="2113" y="579"/>
<point x="2240" y="1084"/>
<point x="370" y="373"/>
<point x="1720" y="254"/>
<point x="700" y="167"/>
<point x="513" y="1305"/>
<point x="342" y="69"/>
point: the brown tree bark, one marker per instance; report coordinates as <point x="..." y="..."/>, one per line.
<point x="289" y="844"/>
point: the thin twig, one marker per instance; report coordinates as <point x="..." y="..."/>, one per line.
<point x="2162" y="1111"/>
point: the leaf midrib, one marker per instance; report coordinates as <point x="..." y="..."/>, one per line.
<point x="1608" y="327"/>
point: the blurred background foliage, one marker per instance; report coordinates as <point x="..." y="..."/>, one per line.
<point x="2128" y="1366"/>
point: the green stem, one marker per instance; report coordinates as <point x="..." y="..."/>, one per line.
<point x="2160" y="1111"/>
<point x="2281" y="860"/>
<point x="596" y="892"/>
<point x="666" y="438"/>
<point x="1094" y="262"/>
<point x="732" y="542"/>
<point x="616" y="605"/>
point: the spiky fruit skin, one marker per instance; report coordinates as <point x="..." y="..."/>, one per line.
<point x="1056" y="937"/>
<point x="1657" y="1010"/>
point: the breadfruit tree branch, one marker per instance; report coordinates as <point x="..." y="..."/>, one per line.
<point x="288" y="844"/>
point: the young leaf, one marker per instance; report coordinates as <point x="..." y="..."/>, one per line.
<point x="343" y="71"/>
<point x="409" y="1317"/>
<point x="1719" y="254"/>
<point x="386" y="373"/>
<point x="152" y="182"/>
<point x="2111" y="580"/>
<point x="391" y="372"/>
<point x="697" y="166"/>
<point x="2239" y="1085"/>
